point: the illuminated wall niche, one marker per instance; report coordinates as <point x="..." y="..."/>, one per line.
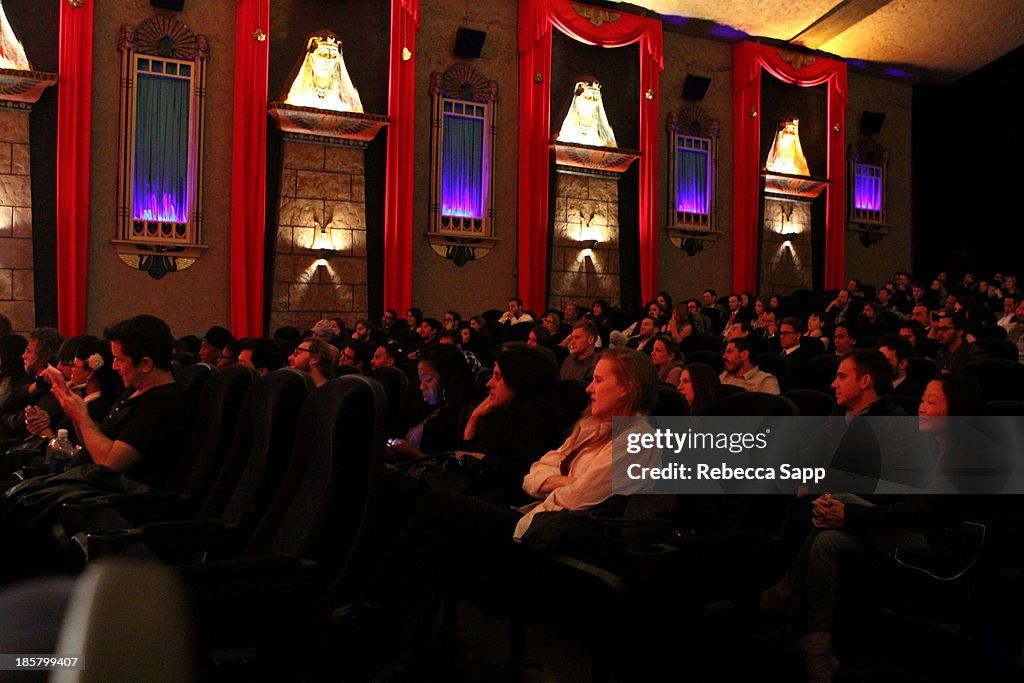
<point x="160" y="166"/>
<point x="869" y="163"/>
<point x="692" y="191"/>
<point x="461" y="177"/>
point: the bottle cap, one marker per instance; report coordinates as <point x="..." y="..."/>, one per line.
<point x="62" y="433"/>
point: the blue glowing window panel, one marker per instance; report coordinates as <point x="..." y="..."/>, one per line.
<point x="462" y="178"/>
<point x="867" y="187"/>
<point x="161" y="149"/>
<point x="693" y="186"/>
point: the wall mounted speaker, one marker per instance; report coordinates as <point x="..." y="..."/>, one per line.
<point x="695" y="87"/>
<point x="469" y="43"/>
<point x="871" y="122"/>
<point x="173" y="5"/>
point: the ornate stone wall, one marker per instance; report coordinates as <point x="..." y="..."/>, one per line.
<point x="17" y="300"/>
<point x="321" y="186"/>
<point x="585" y="208"/>
<point x="785" y="261"/>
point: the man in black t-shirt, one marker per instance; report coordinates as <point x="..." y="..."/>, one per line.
<point x="144" y="433"/>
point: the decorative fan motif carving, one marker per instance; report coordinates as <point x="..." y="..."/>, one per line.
<point x="166" y="36"/>
<point x="466" y="83"/>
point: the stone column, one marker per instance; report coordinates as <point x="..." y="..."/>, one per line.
<point x="322" y="187"/>
<point x="586" y="209"/>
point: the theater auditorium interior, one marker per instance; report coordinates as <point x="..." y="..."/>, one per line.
<point x="358" y="340"/>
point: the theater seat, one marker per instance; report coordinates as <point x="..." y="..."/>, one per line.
<point x="1000" y="379"/>
<point x="753" y="403"/>
<point x="811" y="402"/>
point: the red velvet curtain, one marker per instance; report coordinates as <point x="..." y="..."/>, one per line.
<point x="603" y="28"/>
<point x="248" y="167"/>
<point x="398" y="206"/>
<point x="74" y="125"/>
<point x="805" y="71"/>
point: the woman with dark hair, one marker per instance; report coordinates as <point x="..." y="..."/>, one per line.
<point x="600" y="313"/>
<point x="847" y="527"/>
<point x="12" y="368"/>
<point x="667" y="359"/>
<point x="477" y="343"/>
<point x="513" y="426"/>
<point x="816" y="328"/>
<point x="664" y="299"/>
<point x="446" y="385"/>
<point x="659" y="314"/>
<point x="700" y="384"/>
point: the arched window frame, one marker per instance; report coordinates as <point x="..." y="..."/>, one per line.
<point x="462" y="92"/>
<point x="692" y="129"/>
<point x="161" y="46"/>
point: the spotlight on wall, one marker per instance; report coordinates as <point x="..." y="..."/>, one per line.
<point x="469" y="43"/>
<point x="695" y="87"/>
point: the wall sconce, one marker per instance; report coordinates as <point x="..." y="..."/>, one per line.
<point x="323" y="243"/>
<point x="588" y="246"/>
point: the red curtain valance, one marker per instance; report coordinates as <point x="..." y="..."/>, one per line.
<point x="603" y="28"/>
<point x="398" y="202"/>
<point x="805" y="71"/>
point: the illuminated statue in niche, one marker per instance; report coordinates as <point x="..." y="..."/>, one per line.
<point x="586" y="123"/>
<point x="323" y="81"/>
<point x="12" y="54"/>
<point x="786" y="155"/>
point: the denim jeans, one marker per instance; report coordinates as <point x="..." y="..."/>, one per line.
<point x="824" y="551"/>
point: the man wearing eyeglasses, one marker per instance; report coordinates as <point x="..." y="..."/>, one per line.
<point x="313" y="355"/>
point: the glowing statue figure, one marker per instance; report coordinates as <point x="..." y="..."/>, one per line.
<point x="323" y="81"/>
<point x="786" y="155"/>
<point x="12" y="54"/>
<point x="586" y="123"/>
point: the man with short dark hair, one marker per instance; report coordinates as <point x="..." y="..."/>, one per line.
<point x="954" y="349"/>
<point x="736" y="314"/>
<point x="644" y="339"/>
<point x="582" y="356"/>
<point x="899" y="352"/>
<point x="261" y="354"/>
<point x="795" y="356"/>
<point x="144" y="434"/>
<point x="863" y="381"/>
<point x="515" y="313"/>
<point x="740" y="370"/>
<point x="452" y="320"/>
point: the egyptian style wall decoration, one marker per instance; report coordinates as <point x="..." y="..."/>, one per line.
<point x="320" y="262"/>
<point x="461" y="163"/>
<point x="692" y="191"/>
<point x="586" y="122"/>
<point x="160" y="169"/>
<point x="773" y="208"/>
<point x="20" y="89"/>
<point x="322" y="81"/>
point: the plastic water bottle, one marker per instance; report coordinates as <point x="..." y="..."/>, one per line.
<point x="59" y="452"/>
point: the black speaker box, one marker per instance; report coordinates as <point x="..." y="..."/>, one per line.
<point x="469" y="43"/>
<point x="173" y="5"/>
<point x="695" y="88"/>
<point x="871" y="122"/>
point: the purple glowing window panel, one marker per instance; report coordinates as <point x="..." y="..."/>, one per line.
<point x="693" y="190"/>
<point x="462" y="166"/>
<point x="867" y="187"/>
<point x="160" y="187"/>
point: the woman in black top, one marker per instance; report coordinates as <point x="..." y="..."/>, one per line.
<point x="515" y="425"/>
